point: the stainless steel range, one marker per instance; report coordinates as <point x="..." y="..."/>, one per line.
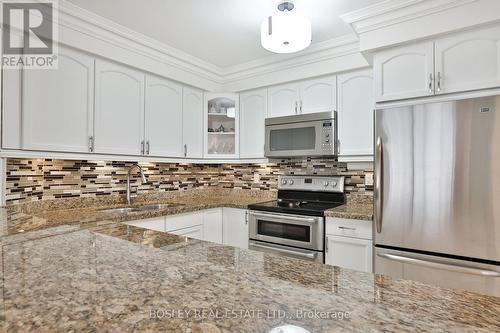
<point x="294" y="225"/>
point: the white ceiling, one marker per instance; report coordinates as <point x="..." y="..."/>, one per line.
<point x="222" y="32"/>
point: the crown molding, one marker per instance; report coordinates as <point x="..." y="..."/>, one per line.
<point x="391" y="12"/>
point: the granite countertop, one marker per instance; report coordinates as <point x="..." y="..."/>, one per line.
<point x="107" y="276"/>
<point x="358" y="207"/>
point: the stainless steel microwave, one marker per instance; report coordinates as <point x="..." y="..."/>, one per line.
<point x="312" y="135"/>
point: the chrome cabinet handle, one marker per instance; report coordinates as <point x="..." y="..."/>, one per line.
<point x="430" y="83"/>
<point x="147" y="147"/>
<point x="185" y="150"/>
<point x="246" y="217"/>
<point x="300" y="107"/>
<point x="326" y="244"/>
<point x="439" y="82"/>
<point x="296" y="106"/>
<point x="91" y="144"/>
<point x="379" y="183"/>
<point x="439" y="265"/>
<point x="142" y="147"/>
<point x="346" y="228"/>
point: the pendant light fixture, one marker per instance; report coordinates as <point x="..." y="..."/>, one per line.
<point x="286" y="31"/>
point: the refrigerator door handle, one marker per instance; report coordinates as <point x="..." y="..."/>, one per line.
<point x="378" y="195"/>
<point x="439" y="265"/>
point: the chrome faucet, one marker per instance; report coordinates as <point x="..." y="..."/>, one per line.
<point x="143" y="180"/>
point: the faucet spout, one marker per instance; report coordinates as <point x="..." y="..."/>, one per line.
<point x="143" y="180"/>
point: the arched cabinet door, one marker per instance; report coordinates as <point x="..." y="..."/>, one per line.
<point x="192" y="115"/>
<point x="163" y="123"/>
<point x="119" y="109"/>
<point x="404" y="72"/>
<point x="318" y="95"/>
<point x="355" y="112"/>
<point x="283" y="100"/>
<point x="253" y="111"/>
<point x="58" y="105"/>
<point x="468" y="61"/>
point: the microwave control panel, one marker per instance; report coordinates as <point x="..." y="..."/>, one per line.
<point x="328" y="138"/>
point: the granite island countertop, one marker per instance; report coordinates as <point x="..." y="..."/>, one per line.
<point x="108" y="276"/>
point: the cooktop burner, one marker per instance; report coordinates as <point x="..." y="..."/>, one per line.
<point x="312" y="208"/>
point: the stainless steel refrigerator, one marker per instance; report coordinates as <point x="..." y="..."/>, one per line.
<point x="437" y="193"/>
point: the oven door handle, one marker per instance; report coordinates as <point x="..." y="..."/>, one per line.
<point x="286" y="217"/>
<point x="278" y="249"/>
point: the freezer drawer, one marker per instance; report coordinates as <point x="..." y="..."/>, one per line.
<point x="440" y="271"/>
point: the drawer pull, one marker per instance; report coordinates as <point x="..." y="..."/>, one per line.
<point x="346" y="228"/>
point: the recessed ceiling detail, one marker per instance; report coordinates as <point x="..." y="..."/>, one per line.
<point x="224" y="33"/>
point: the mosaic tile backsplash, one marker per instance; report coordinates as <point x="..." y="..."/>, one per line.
<point x="45" y="179"/>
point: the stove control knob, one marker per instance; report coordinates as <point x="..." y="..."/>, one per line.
<point x="291" y="181"/>
<point x="284" y="182"/>
<point x="334" y="184"/>
<point x="325" y="183"/>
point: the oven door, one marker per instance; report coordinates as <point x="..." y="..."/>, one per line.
<point x="294" y="139"/>
<point x="306" y="232"/>
<point x="287" y="251"/>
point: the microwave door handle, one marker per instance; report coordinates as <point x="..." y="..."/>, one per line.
<point x="439" y="265"/>
<point x="277" y="249"/>
<point x="284" y="217"/>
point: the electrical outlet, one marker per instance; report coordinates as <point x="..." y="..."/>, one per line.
<point x="369" y="179"/>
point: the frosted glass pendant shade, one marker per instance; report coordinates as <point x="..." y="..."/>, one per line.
<point x="285" y="32"/>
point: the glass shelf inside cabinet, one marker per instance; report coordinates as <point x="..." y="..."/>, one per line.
<point x="221" y="126"/>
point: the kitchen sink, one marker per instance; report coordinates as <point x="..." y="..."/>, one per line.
<point x="134" y="209"/>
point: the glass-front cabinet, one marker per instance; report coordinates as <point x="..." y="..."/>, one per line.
<point x="221" y="125"/>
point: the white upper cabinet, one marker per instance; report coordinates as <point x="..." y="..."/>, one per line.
<point x="404" y="72"/>
<point x="192" y="123"/>
<point x="355" y="112"/>
<point x="468" y="61"/>
<point x="163" y="118"/>
<point x="221" y="125"/>
<point x="253" y="111"/>
<point x="119" y="109"/>
<point x="318" y="95"/>
<point x="58" y="105"/>
<point x="283" y="100"/>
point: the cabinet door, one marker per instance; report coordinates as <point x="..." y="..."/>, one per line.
<point x="195" y="232"/>
<point x="355" y="112"/>
<point x="183" y="221"/>
<point x="192" y="123"/>
<point x="119" y="109"/>
<point x="253" y="111"/>
<point x="156" y="223"/>
<point x="235" y="227"/>
<point x="212" y="225"/>
<point x="351" y="253"/>
<point x="404" y="72"/>
<point x="222" y="125"/>
<point x="318" y="95"/>
<point x="58" y="105"/>
<point x="283" y="100"/>
<point x="468" y="61"/>
<point x="163" y="122"/>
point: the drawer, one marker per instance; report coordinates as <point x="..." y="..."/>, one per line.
<point x="155" y="223"/>
<point x="182" y="221"/>
<point x="195" y="232"/>
<point x="349" y="228"/>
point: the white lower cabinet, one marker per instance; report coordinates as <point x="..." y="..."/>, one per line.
<point x="212" y="225"/>
<point x="155" y="223"/>
<point x="349" y="244"/>
<point x="235" y="227"/>
<point x="226" y="226"/>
